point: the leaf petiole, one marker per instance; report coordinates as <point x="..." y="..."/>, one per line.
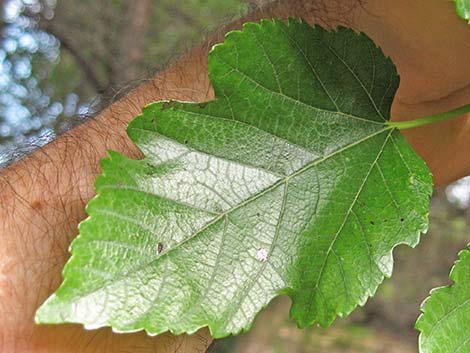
<point x="409" y="124"/>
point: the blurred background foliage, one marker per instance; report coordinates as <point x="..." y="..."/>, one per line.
<point x="61" y="60"/>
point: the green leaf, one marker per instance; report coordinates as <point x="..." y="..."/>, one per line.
<point x="463" y="8"/>
<point x="445" y="322"/>
<point x="290" y="182"/>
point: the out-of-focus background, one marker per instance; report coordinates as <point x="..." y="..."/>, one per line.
<point x="61" y="60"/>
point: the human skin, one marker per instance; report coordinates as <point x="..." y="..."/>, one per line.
<point x="42" y="197"/>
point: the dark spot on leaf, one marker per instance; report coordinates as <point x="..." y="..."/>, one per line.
<point x="159" y="248"/>
<point x="402" y="219"/>
<point x="372" y="222"/>
<point x="150" y="170"/>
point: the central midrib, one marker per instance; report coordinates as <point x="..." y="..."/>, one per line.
<point x="240" y="205"/>
<point x="272" y="187"/>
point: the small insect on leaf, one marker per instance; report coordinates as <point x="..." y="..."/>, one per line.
<point x="159" y="248"/>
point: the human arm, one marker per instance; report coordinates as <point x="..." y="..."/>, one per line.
<point x="43" y="196"/>
<point x="42" y="201"/>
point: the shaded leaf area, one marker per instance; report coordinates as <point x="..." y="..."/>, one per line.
<point x="290" y="182"/>
<point x="463" y="8"/>
<point x="444" y="324"/>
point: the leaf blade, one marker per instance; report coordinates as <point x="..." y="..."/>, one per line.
<point x="444" y="319"/>
<point x="267" y="190"/>
<point x="463" y="9"/>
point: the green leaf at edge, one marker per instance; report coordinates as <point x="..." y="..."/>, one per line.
<point x="445" y="322"/>
<point x="463" y="9"/>
<point x="290" y="182"/>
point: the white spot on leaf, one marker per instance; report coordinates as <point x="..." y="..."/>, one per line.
<point x="262" y="255"/>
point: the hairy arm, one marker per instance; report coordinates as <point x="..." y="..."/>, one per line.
<point x="42" y="197"/>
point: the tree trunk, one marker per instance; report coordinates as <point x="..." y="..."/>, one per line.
<point x="133" y="34"/>
<point x="2" y="23"/>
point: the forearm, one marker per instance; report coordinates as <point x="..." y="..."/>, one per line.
<point x="43" y="197"/>
<point x="52" y="185"/>
<point x="42" y="201"/>
<point x="67" y="166"/>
